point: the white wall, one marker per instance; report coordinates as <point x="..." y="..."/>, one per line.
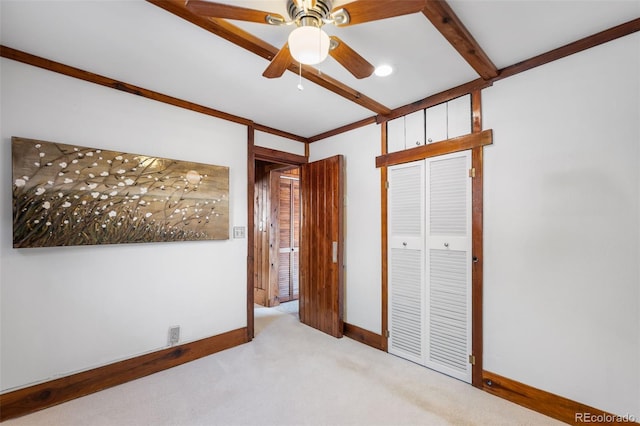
<point x="362" y="229"/>
<point x="67" y="309"/>
<point x="562" y="227"/>
<point x="268" y="140"/>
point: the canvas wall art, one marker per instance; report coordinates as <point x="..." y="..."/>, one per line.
<point x="66" y="195"/>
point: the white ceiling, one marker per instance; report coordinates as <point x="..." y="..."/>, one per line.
<point x="141" y="44"/>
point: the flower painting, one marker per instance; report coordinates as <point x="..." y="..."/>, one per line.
<point x="66" y="195"/>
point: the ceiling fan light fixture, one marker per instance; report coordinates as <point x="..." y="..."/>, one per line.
<point x="309" y="45"/>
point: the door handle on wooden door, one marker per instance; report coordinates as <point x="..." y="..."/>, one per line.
<point x="334" y="251"/>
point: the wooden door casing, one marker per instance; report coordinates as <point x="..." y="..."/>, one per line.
<point x="321" y="265"/>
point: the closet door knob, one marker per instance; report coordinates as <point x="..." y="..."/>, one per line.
<point x="446" y="244"/>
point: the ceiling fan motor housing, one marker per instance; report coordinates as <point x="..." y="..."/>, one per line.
<point x="310" y="16"/>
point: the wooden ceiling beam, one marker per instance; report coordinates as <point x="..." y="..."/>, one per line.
<point x="236" y="35"/>
<point x="451" y="27"/>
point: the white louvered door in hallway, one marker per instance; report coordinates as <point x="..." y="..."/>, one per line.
<point x="430" y="263"/>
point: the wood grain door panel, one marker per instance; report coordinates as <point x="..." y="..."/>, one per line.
<point x="321" y="248"/>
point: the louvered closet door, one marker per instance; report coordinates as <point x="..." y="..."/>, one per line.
<point x="448" y="264"/>
<point x="406" y="261"/>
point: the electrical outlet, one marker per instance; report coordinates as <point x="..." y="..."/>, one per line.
<point x="174" y="335"/>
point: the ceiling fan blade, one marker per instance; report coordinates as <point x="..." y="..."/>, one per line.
<point x="350" y="59"/>
<point x="372" y="10"/>
<point x="279" y="63"/>
<point x="226" y="11"/>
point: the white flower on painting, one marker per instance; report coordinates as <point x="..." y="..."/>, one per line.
<point x="120" y="183"/>
<point x="84" y="202"/>
<point x="104" y="174"/>
<point x="36" y="221"/>
<point x="93" y="185"/>
<point x="63" y="164"/>
<point x="89" y="154"/>
<point x="119" y="157"/>
<point x="142" y="202"/>
<point x="36" y="164"/>
<point x="40" y="191"/>
<point x="129" y="181"/>
<point x="143" y="190"/>
<point x="95" y="194"/>
<point x="38" y="146"/>
<point x="41" y="154"/>
<point x="61" y="174"/>
<point x="91" y="175"/>
<point x="66" y="204"/>
<point x="121" y="171"/>
<point x="74" y="161"/>
<point x="67" y="180"/>
<point x="113" y="193"/>
<point x="135" y="197"/>
<point x="94" y="164"/>
<point x="20" y="183"/>
<point x="46" y="205"/>
<point x="104" y="197"/>
<point x="48" y="223"/>
<point x="112" y="213"/>
<point x="148" y="215"/>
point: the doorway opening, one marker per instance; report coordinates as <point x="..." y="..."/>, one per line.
<point x="277" y="235"/>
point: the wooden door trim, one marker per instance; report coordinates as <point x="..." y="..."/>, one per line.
<point x="448" y="146"/>
<point x="251" y="182"/>
<point x="477" y="238"/>
<point x="265" y="154"/>
<point x="384" y="212"/>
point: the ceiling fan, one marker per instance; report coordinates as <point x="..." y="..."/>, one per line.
<point x="308" y="43"/>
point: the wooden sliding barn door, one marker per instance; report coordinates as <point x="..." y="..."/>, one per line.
<point x="321" y="245"/>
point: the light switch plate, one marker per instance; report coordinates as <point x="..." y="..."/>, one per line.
<point x="238" y="232"/>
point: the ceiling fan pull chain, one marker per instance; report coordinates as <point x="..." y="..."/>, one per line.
<point x="300" y="87"/>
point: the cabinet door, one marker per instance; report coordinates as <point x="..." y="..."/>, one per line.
<point x="437" y="123"/>
<point x="459" y="116"/>
<point x="406" y="261"/>
<point x="414" y="129"/>
<point x="395" y="135"/>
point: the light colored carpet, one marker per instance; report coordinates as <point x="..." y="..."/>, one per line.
<point x="290" y="375"/>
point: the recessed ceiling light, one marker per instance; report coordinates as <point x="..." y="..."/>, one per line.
<point x="383" y="70"/>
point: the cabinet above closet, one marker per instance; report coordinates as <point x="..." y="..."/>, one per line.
<point x="437" y="123"/>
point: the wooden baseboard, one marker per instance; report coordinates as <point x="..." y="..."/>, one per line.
<point x="549" y="404"/>
<point x="43" y="395"/>
<point x="363" y="336"/>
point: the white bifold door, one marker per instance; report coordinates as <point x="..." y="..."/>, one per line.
<point x="430" y="263"/>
